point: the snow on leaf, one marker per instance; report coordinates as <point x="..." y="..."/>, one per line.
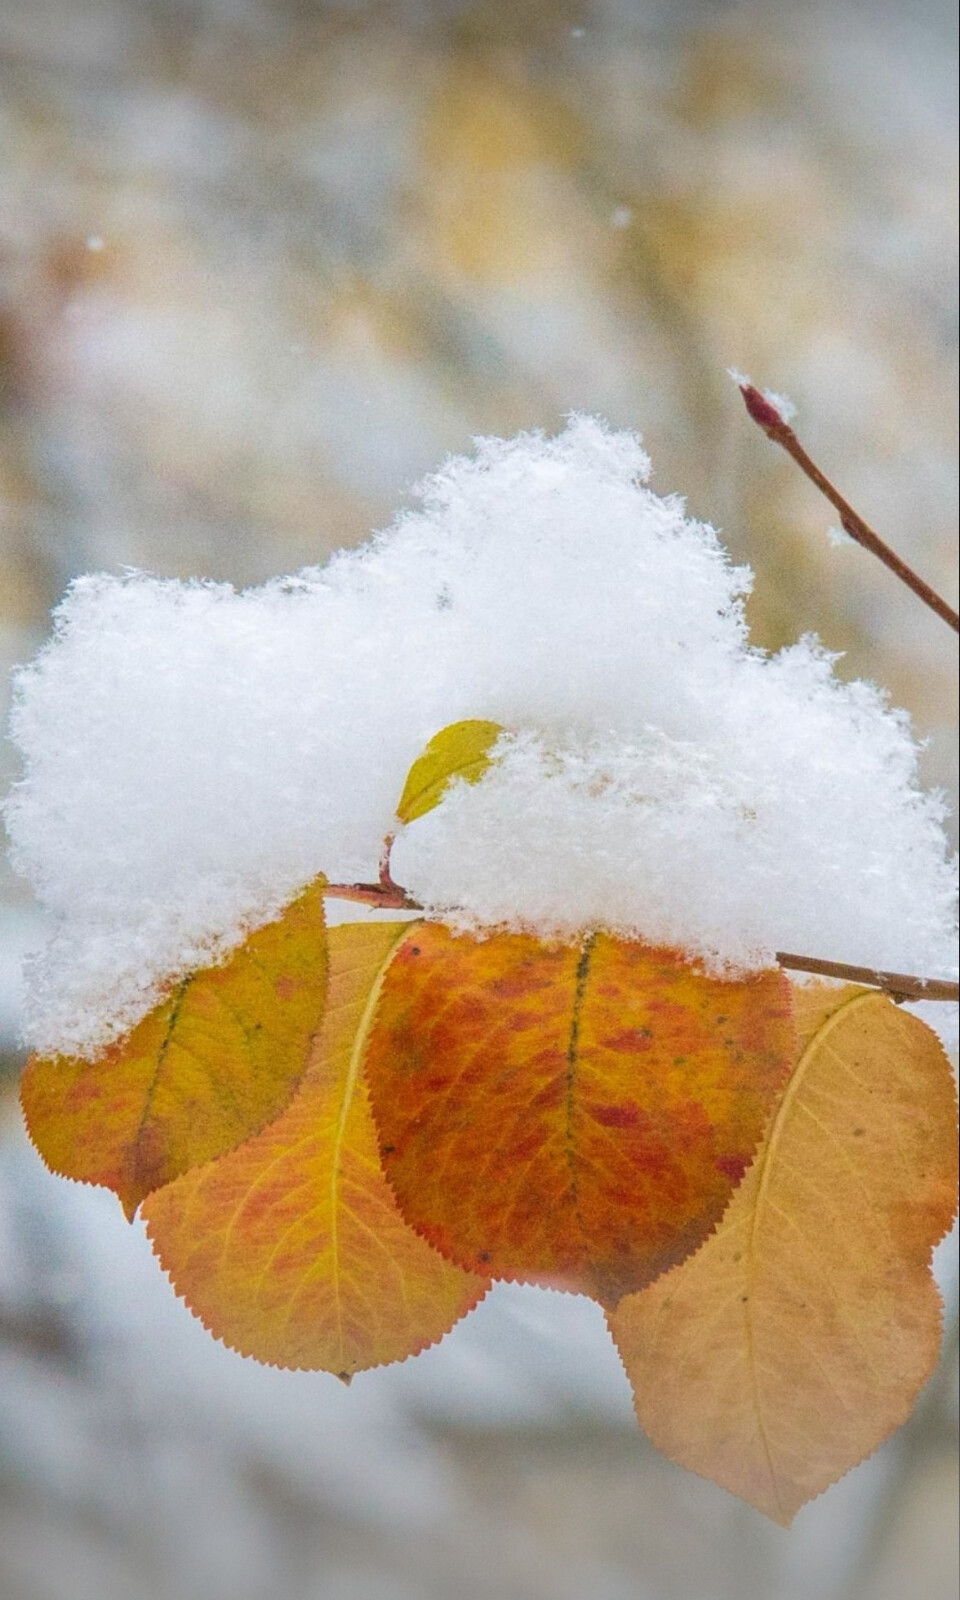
<point x="212" y="1064"/>
<point x="572" y="1113"/>
<point x="192" y="755"/>
<point x="461" y="750"/>
<point x="292" y="1249"/>
<point x="798" y="1337"/>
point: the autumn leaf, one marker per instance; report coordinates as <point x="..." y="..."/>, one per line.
<point x="292" y="1249"/>
<point x="575" y="1114"/>
<point x="216" y="1061"/>
<point x="461" y="750"/>
<point x="798" y="1337"/>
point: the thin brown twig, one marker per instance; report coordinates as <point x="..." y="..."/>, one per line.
<point x="898" y="985"/>
<point x="390" y="896"/>
<point x="385" y="893"/>
<point x="766" y="416"/>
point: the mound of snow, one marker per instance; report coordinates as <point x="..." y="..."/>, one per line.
<point x="193" y="755"/>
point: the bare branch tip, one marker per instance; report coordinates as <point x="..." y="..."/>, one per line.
<point x="765" y="414"/>
<point x="760" y="409"/>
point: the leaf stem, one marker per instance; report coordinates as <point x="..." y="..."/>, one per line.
<point x="898" y="985"/>
<point x="767" y="417"/>
<point x="388" y="896"/>
<point x="385" y="877"/>
<point x="386" y="893"/>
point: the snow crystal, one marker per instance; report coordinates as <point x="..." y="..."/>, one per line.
<point x="194" y="755"/>
<point x="781" y="403"/>
<point x="839" y="537"/>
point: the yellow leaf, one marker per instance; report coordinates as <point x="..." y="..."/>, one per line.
<point x="798" y="1337"/>
<point x="460" y="751"/>
<point x="216" y="1061"/>
<point x="292" y="1249"/>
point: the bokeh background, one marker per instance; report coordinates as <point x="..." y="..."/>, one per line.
<point x="262" y="264"/>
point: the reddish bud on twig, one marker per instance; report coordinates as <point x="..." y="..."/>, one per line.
<point x="760" y="409"/>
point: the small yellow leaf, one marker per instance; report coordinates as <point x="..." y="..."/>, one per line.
<point x="799" y="1335"/>
<point x="460" y="751"/>
<point x="209" y="1066"/>
<point x="291" y="1249"/>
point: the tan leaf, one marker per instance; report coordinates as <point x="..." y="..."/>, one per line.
<point x="798" y="1337"/>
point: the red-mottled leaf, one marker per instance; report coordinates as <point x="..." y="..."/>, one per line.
<point x="578" y="1114"/>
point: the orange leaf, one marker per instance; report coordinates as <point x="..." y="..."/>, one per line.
<point x="798" y="1337"/>
<point x="292" y="1249"/>
<point x="205" y="1069"/>
<point x="572" y="1114"/>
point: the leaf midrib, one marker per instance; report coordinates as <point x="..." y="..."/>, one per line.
<point x="570" y="1080"/>
<point x="351" y="1079"/>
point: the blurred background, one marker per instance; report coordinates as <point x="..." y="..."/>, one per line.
<point x="262" y="264"/>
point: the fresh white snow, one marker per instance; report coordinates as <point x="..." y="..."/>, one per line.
<point x="192" y="755"/>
